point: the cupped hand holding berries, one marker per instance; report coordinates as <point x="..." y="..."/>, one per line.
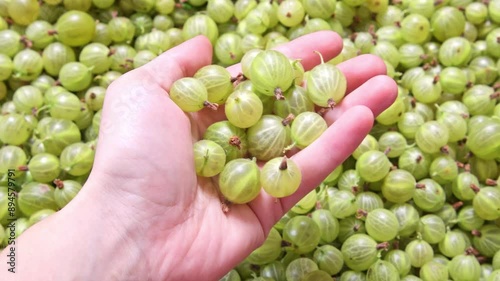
<point x="145" y="215"/>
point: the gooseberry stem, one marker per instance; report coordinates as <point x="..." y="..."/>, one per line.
<point x="224" y="203"/>
<point x="211" y="105"/>
<point x="471" y="251"/>
<point x="320" y="56"/>
<point x="235" y="141"/>
<point x="474" y="187"/>
<point x="59" y="183"/>
<point x="445" y="149"/>
<point x="491" y="182"/>
<point x="331" y="103"/>
<point x="383" y="246"/>
<point x="481" y="259"/>
<point x="278" y="93"/>
<point x="287" y="120"/>
<point x="283" y="165"/>
<point x="457" y="205"/>
<point x="361" y="214"/>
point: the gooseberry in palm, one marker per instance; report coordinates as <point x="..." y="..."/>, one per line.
<point x="268" y="137"/>
<point x="231" y="138"/>
<point x="271" y="73"/>
<point x="296" y="101"/>
<point x="228" y="49"/>
<point x="326" y="85"/>
<point x="243" y="108"/>
<point x="306" y="128"/>
<point x="280" y="177"/>
<point x="209" y="158"/>
<point x="239" y="181"/>
<point x="217" y="81"/>
<point x="190" y="95"/>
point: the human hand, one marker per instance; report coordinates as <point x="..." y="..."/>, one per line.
<point x="144" y="178"/>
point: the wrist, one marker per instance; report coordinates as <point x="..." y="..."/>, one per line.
<point x="80" y="242"/>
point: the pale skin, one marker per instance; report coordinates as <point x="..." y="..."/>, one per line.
<point x="144" y="214"/>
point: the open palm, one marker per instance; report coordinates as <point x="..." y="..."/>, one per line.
<point x="144" y="168"/>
